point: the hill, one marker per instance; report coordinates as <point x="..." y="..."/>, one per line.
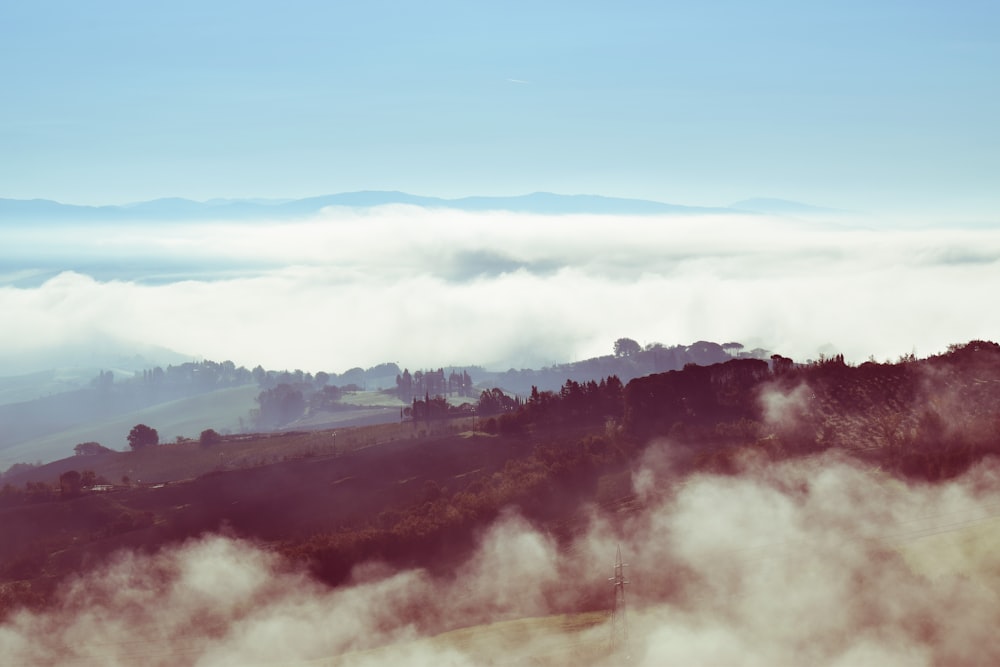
<point x="225" y="410"/>
<point x="565" y="471"/>
<point x="59" y="409"/>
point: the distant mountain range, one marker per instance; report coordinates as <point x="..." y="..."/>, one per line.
<point x="176" y="209"/>
<point x="782" y="207"/>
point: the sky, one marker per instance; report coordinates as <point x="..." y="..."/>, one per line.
<point x="883" y="110"/>
<point x="883" y="107"/>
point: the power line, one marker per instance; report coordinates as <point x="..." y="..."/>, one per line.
<point x="619" y="621"/>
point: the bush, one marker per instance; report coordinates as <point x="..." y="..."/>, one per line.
<point x="209" y="437"/>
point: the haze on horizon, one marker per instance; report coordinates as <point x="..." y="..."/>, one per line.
<point x="887" y="111"/>
<point x="433" y="287"/>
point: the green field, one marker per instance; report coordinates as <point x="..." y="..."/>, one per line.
<point x="221" y="410"/>
<point x="372" y="399"/>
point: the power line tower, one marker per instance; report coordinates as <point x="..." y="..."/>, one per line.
<point x="619" y="623"/>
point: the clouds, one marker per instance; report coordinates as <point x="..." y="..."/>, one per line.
<point x="807" y="561"/>
<point x="428" y="287"/>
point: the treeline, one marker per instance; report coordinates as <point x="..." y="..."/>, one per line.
<point x="355" y="379"/>
<point x="580" y="403"/>
<point x="202" y="376"/>
<point x="928" y="419"/>
<point x="628" y="361"/>
<point x="433" y="383"/>
<point x="109" y="396"/>
<point x="576" y="403"/>
<point x="546" y="484"/>
<point x="921" y="418"/>
<point x="694" y="396"/>
<point x="288" y="395"/>
<point x="284" y="403"/>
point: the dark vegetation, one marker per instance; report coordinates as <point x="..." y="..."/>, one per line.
<point x="293" y="399"/>
<point x="418" y="492"/>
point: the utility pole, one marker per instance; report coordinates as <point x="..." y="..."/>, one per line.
<point x="619" y="623"/>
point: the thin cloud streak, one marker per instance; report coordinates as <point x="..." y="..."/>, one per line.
<point x="438" y="287"/>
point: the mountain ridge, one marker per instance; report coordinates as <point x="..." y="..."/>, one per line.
<point x="179" y="208"/>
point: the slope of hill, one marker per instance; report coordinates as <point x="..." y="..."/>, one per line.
<point x="47" y="423"/>
<point x="224" y="410"/>
<point x="420" y="494"/>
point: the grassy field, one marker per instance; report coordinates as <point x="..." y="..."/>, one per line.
<point x="187" y="417"/>
<point x="226" y="411"/>
<point x="175" y="461"/>
<point x="372" y="399"/>
<point x="563" y="639"/>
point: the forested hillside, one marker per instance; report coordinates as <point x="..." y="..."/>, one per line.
<point x="48" y="426"/>
<point x="417" y="492"/>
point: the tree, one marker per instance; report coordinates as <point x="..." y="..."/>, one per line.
<point x="780" y="364"/>
<point x="90" y="449"/>
<point x="69" y="484"/>
<point x="733" y="348"/>
<point x="141" y="436"/>
<point x="280" y="405"/>
<point x="626" y="347"/>
<point x="209" y="437"/>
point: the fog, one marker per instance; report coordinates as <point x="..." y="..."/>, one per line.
<point x="436" y="287"/>
<point x="809" y="561"/>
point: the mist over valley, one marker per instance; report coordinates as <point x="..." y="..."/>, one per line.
<point x="428" y="439"/>
<point x="465" y="334"/>
<point x="445" y="287"/>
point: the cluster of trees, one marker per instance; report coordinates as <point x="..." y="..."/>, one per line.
<point x="433" y="383"/>
<point x="629" y="360"/>
<point x="495" y="401"/>
<point x="694" y="395"/>
<point x="927" y="419"/>
<point x="376" y="377"/>
<point x="33" y="492"/>
<point x="209" y="437"/>
<point x="546" y="483"/>
<point x="91" y="449"/>
<point x="285" y="402"/>
<point x="72" y="483"/>
<point x="576" y="403"/>
<point x="203" y="376"/>
<point x="281" y="404"/>
<point x="434" y="408"/>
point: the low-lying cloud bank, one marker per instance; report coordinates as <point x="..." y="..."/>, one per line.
<point x="437" y="287"/>
<point x="812" y="561"/>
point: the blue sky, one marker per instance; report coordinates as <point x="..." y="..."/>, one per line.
<point x="885" y="107"/>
